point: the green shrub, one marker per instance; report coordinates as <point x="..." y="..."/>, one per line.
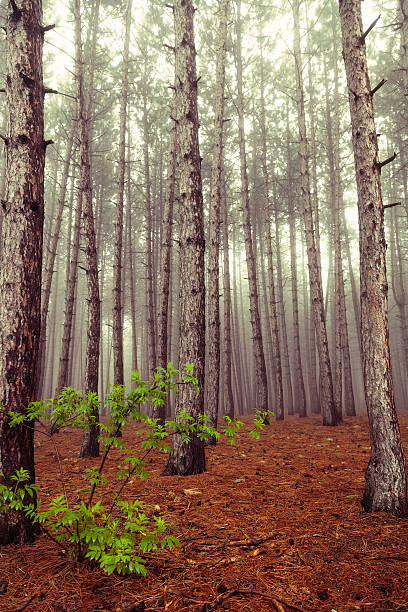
<point x="111" y="536"/>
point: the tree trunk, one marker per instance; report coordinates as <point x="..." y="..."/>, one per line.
<point x="288" y="403"/>
<point x="386" y="484"/>
<point x="21" y="255"/>
<point x="49" y="270"/>
<point x="213" y="269"/>
<point x="189" y="458"/>
<point x="118" y="376"/>
<point x="228" y="408"/>
<point x="151" y="327"/>
<point x="159" y="412"/>
<point x="279" y="411"/>
<point x="341" y="311"/>
<point x="63" y="379"/>
<point x="90" y="444"/>
<point x="261" y="400"/>
<point x="326" y="384"/>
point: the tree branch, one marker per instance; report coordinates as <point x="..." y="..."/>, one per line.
<point x="391" y="205"/>
<point x="368" y="30"/>
<point x="387" y="161"/>
<point x="377" y="87"/>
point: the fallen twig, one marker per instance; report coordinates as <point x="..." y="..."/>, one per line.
<point x="276" y="600"/>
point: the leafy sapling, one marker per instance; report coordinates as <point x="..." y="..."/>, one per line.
<point x="113" y="536"/>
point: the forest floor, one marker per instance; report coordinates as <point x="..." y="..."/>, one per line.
<point x="274" y="524"/>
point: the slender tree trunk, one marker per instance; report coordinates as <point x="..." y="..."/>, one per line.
<point x="151" y="328"/>
<point x="300" y="396"/>
<point x="189" y="458"/>
<point x="326" y="384"/>
<point x="261" y="400"/>
<point x="341" y="312"/>
<point x="229" y="408"/>
<point x="63" y="380"/>
<point x="118" y="376"/>
<point x="213" y="269"/>
<point x="165" y="266"/>
<point x="288" y="403"/>
<point x="21" y="255"/>
<point x="90" y="444"/>
<point x="386" y="483"/>
<point x="49" y="270"/>
<point x="279" y="410"/>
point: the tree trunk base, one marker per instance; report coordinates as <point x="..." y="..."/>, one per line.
<point x="90" y="444"/>
<point x="383" y="491"/>
<point x="186" y="459"/>
<point x="16" y="528"/>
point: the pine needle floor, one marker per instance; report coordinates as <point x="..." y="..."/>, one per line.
<point x="274" y="524"/>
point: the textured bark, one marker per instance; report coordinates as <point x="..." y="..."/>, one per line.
<point x="228" y="407"/>
<point x="159" y="412"/>
<point x="151" y="327"/>
<point x="90" y="444"/>
<point x="288" y="402"/>
<point x="63" y="379"/>
<point x="278" y="407"/>
<point x="213" y="266"/>
<point x="22" y="242"/>
<point x="341" y="311"/>
<point x="118" y="376"/>
<point x="386" y="484"/>
<point x="299" y="399"/>
<point x="326" y="384"/>
<point x="131" y="260"/>
<point x="334" y="173"/>
<point x="189" y="458"/>
<point x="261" y="400"/>
<point x="312" y="374"/>
<point x="49" y="269"/>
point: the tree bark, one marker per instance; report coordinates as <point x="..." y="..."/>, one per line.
<point x="21" y="255"/>
<point x="213" y="266"/>
<point x="90" y="444"/>
<point x="189" y="458"/>
<point x="49" y="270"/>
<point x="228" y="408"/>
<point x="326" y="384"/>
<point x="386" y="484"/>
<point x="288" y="402"/>
<point x="118" y="376"/>
<point x="278" y="407"/>
<point x="159" y="412"/>
<point x="261" y="400"/>
<point x="151" y="327"/>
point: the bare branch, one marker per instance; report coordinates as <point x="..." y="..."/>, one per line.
<point x="368" y="30"/>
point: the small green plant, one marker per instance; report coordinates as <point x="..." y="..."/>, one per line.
<point x="114" y="535"/>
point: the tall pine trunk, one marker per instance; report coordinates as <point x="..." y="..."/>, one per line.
<point x="90" y="444"/>
<point x="261" y="400"/>
<point x="159" y="412"/>
<point x="117" y="319"/>
<point x="213" y="269"/>
<point x="326" y="384"/>
<point x="189" y="457"/>
<point x="21" y="254"/>
<point x="386" y="483"/>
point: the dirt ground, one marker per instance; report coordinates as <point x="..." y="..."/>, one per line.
<point x="274" y="524"/>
